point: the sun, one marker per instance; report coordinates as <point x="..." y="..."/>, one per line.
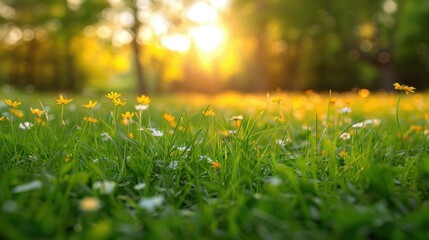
<point x="207" y="38"/>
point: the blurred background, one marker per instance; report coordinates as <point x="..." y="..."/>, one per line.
<point x="162" y="46"/>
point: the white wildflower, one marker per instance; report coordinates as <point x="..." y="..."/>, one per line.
<point x="151" y="203"/>
<point x="141" y="107"/>
<point x="345" y="136"/>
<point x="28" y="186"/>
<point x="173" y="165"/>
<point x="280" y="142"/>
<point x="140" y="186"/>
<point x="25" y="125"/>
<point x="156" y="133"/>
<point x="345" y="110"/>
<point x="273" y="181"/>
<point x="105" y="187"/>
<point x="105" y="137"/>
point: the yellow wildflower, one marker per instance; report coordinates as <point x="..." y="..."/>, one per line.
<point x="209" y="113"/>
<point x="403" y="87"/>
<point x="90" y="104"/>
<point x="89" y="204"/>
<point x="127" y="115"/>
<point x="63" y="101"/>
<point x="119" y="102"/>
<point x="343" y="154"/>
<point x="17" y="113"/>
<point x="216" y="164"/>
<point x="131" y="135"/>
<point x="168" y="117"/>
<point x="364" y="93"/>
<point x="144" y="100"/>
<point x="2" y="118"/>
<point x="90" y="119"/>
<point x="68" y="157"/>
<point x="280" y="119"/>
<point x="277" y="99"/>
<point x="36" y="112"/>
<point x="113" y="95"/>
<point x="11" y="103"/>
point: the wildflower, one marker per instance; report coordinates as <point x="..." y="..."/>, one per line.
<point x="67" y="158"/>
<point x="216" y="164"/>
<point x="277" y="99"/>
<point x="17" y="113"/>
<point x="11" y="103"/>
<point x="36" y="112"/>
<point x="280" y="142"/>
<point x="25" y="125"/>
<point x="141" y="107"/>
<point x="143" y="100"/>
<point x="140" y="186"/>
<point x="113" y="95"/>
<point x="364" y="93"/>
<point x="209" y="113"/>
<point x="2" y="118"/>
<point x="33" y="158"/>
<point x="130" y="135"/>
<point x="105" y="137"/>
<point x="89" y="204"/>
<point x="90" y="104"/>
<point x="280" y="119"/>
<point x="273" y="181"/>
<point x="155" y="132"/>
<point x="105" y="187"/>
<point x="343" y="154"/>
<point x="170" y="119"/>
<point x="332" y="101"/>
<point x="173" y="165"/>
<point x="404" y="88"/>
<point x="151" y="203"/>
<point x="37" y="184"/>
<point x="127" y="115"/>
<point x="237" y="118"/>
<point x="345" y="136"/>
<point x="374" y="122"/>
<point x="119" y="102"/>
<point x="63" y="101"/>
<point x="90" y="119"/>
<point x="324" y="152"/>
<point x="345" y="110"/>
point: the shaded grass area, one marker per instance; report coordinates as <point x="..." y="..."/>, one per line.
<point x="296" y="166"/>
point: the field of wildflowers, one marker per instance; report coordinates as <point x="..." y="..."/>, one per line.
<point x="281" y="166"/>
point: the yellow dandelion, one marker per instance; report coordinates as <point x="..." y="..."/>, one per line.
<point x="89" y="204"/>
<point x="90" y="104"/>
<point x="216" y="164"/>
<point x="119" y="102"/>
<point x="127" y="115"/>
<point x="209" y="113"/>
<point x="143" y="100"/>
<point x="61" y="100"/>
<point x="280" y="119"/>
<point x="404" y="88"/>
<point x="131" y="135"/>
<point x="113" y="95"/>
<point x="11" y="103"/>
<point x="36" y="112"/>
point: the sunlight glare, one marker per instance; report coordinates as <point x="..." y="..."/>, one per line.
<point x="176" y="42"/>
<point x="201" y="12"/>
<point x="207" y="38"/>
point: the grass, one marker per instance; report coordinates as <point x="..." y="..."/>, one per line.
<point x="232" y="166"/>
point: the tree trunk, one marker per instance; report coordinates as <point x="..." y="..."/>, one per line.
<point x="141" y="81"/>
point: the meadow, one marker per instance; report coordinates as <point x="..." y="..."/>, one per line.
<point x="230" y="166"/>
